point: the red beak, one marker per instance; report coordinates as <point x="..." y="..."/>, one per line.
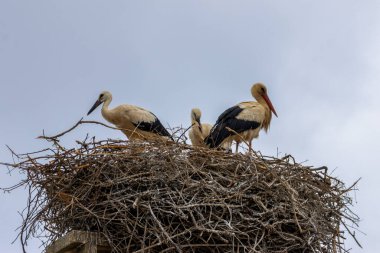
<point x="269" y="103"/>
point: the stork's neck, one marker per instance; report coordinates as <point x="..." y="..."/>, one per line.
<point x="106" y="112"/>
<point x="106" y="104"/>
<point x="195" y="125"/>
<point x="194" y="122"/>
<point x="267" y="117"/>
<point x="268" y="113"/>
<point x="260" y="99"/>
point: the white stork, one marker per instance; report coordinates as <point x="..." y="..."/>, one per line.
<point x="198" y="131"/>
<point x="243" y="121"/>
<point x="135" y="122"/>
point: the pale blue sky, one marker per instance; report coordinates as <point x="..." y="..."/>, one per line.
<point x="319" y="59"/>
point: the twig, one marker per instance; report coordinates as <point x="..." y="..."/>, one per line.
<point x="163" y="230"/>
<point x="165" y="196"/>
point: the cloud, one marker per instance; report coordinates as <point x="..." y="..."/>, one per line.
<point x="319" y="59"/>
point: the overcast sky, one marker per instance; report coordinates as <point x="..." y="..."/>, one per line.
<point x="319" y="59"/>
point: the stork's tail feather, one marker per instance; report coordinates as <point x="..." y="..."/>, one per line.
<point x="209" y="141"/>
<point x="164" y="132"/>
<point x="215" y="138"/>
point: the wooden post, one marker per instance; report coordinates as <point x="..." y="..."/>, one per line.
<point x="79" y="242"/>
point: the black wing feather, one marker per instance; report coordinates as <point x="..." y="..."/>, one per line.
<point x="231" y="112"/>
<point x="153" y="127"/>
<point x="227" y="120"/>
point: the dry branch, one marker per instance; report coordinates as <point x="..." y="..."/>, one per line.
<point x="171" y="197"/>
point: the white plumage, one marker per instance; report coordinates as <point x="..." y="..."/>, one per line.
<point x="198" y="131"/>
<point x="135" y="122"/>
<point x="243" y="121"/>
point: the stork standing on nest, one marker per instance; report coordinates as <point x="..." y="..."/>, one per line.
<point x="198" y="131"/>
<point x="135" y="122"/>
<point x="243" y="121"/>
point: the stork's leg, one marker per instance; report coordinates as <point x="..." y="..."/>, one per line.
<point x="250" y="147"/>
<point x="237" y="147"/>
<point x="229" y="147"/>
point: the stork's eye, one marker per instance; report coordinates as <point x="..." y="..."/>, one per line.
<point x="101" y="95"/>
<point x="262" y="90"/>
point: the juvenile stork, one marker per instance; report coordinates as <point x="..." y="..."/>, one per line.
<point x="135" y="122"/>
<point x="198" y="131"/>
<point x="243" y="121"/>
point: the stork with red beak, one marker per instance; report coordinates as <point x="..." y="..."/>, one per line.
<point x="243" y="121"/>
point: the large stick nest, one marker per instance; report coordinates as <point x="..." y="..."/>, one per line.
<point x="170" y="197"/>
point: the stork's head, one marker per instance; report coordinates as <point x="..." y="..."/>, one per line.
<point x="259" y="92"/>
<point x="103" y="97"/>
<point x="196" y="115"/>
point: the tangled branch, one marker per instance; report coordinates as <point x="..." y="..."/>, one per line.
<point x="171" y="197"/>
